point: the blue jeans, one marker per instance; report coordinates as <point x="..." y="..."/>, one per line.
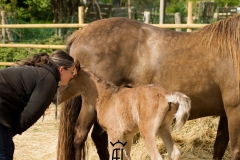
<point x="6" y="143"/>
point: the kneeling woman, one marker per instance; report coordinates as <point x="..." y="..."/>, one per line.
<point x="26" y="90"/>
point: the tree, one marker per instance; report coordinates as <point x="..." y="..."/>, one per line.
<point x="34" y="10"/>
<point x="27" y="10"/>
<point x="64" y="10"/>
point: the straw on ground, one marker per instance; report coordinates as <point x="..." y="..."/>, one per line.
<point x="195" y="141"/>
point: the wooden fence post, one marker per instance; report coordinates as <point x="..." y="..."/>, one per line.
<point x="3" y="29"/>
<point x="81" y="15"/>
<point x="129" y="10"/>
<point x="190" y="12"/>
<point x="161" y="12"/>
<point x="177" y="20"/>
<point x="146" y="15"/>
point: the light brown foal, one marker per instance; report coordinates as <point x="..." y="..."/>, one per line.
<point x="123" y="111"/>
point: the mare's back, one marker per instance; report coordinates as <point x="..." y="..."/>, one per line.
<point x="129" y="50"/>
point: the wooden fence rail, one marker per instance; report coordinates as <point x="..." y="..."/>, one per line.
<point x="63" y="25"/>
<point x="76" y="25"/>
<point x="85" y="24"/>
<point x="6" y="63"/>
<point x="81" y="24"/>
<point x="33" y="46"/>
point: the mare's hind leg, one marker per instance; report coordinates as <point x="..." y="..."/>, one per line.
<point x="100" y="139"/>
<point x="222" y="139"/>
<point x="85" y="121"/>
<point x="232" y="108"/>
<point x="165" y="134"/>
<point x="234" y="130"/>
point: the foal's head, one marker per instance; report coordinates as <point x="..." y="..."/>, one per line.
<point x="86" y="83"/>
<point x="72" y="89"/>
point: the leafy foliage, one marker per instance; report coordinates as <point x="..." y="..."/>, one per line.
<point x="13" y="54"/>
<point x="28" y="10"/>
<point x="228" y="2"/>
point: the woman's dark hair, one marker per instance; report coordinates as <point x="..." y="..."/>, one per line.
<point x="59" y="57"/>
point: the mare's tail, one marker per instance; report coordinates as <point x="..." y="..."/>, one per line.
<point x="70" y="39"/>
<point x="69" y="114"/>
<point x="70" y="111"/>
<point x="184" y="107"/>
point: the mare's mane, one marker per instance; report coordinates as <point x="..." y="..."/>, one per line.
<point x="106" y="83"/>
<point x="223" y="37"/>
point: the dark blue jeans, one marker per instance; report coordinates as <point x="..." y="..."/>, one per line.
<point x="6" y="143"/>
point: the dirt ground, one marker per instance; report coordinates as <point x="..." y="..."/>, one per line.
<point x="195" y="141"/>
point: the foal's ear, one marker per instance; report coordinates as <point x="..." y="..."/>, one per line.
<point x="77" y="66"/>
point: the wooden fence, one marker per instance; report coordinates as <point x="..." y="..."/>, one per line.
<point x="81" y="24"/>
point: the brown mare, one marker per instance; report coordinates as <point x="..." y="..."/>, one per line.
<point x="203" y="65"/>
<point x="123" y="111"/>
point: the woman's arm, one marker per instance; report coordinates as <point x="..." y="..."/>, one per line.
<point x="38" y="103"/>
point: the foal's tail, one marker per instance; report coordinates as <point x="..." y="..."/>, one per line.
<point x="69" y="114"/>
<point x="184" y="107"/>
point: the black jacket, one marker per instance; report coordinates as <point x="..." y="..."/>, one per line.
<point x="25" y="93"/>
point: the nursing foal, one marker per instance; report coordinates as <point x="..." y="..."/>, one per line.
<point x="123" y="111"/>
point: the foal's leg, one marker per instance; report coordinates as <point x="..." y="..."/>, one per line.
<point x="116" y="149"/>
<point x="128" y="146"/>
<point x="165" y="134"/>
<point x="85" y="121"/>
<point x="148" y="132"/>
<point x="100" y="139"/>
<point x="222" y="139"/>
